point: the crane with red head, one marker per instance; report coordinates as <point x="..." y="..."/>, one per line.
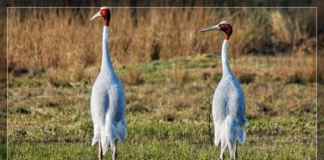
<point x="107" y="99"/>
<point x="228" y="106"/>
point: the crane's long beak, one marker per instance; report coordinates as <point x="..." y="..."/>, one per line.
<point x="212" y="28"/>
<point x="95" y="16"/>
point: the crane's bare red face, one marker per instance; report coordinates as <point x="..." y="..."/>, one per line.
<point x="105" y="13"/>
<point x="227" y="29"/>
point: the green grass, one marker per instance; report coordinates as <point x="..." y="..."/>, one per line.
<point x="167" y="114"/>
<point x="159" y="150"/>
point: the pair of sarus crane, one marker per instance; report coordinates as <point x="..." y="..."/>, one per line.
<point x="108" y="101"/>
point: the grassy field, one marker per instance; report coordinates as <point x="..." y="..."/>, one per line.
<point x="168" y="109"/>
<point x="170" y="74"/>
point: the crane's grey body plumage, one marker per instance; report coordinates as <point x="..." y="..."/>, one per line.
<point x="228" y="109"/>
<point x="108" y="103"/>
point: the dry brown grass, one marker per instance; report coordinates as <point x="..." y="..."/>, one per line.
<point x="134" y="76"/>
<point x="64" y="39"/>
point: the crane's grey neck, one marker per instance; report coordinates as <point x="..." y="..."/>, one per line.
<point x="225" y="63"/>
<point x="106" y="64"/>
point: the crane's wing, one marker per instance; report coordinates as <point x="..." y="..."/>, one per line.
<point x="116" y="103"/>
<point x="115" y="117"/>
<point x="99" y="107"/>
<point x="99" y="103"/>
<point x="236" y="106"/>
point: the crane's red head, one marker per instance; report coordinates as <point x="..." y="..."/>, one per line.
<point x="226" y="28"/>
<point x="222" y="26"/>
<point x="105" y="13"/>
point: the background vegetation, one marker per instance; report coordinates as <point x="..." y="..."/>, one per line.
<point x="143" y="35"/>
<point x="170" y="71"/>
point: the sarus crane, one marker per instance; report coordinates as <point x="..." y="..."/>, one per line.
<point x="107" y="99"/>
<point x="228" y="106"/>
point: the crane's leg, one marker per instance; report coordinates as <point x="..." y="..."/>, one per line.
<point x="236" y="151"/>
<point x="223" y="147"/>
<point x="99" y="151"/>
<point x="232" y="150"/>
<point x="114" y="151"/>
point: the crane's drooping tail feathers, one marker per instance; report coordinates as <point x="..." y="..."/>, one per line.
<point x="229" y="131"/>
<point x="106" y="140"/>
